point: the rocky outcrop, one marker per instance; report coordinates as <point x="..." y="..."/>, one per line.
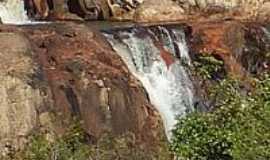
<point x="54" y="73"/>
<point x="237" y="9"/>
<point x="237" y="44"/>
<point x="49" y="9"/>
<point x="19" y="100"/>
<point x="75" y="10"/>
<point x="149" y="10"/>
<point x="158" y="10"/>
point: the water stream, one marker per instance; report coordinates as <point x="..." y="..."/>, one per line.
<point x="153" y="55"/>
<point x="266" y="31"/>
<point x="13" y="12"/>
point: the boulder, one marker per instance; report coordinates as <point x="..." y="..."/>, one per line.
<point x="42" y="8"/>
<point x="90" y="9"/>
<point x="158" y="11"/>
<point x="52" y="10"/>
<point x="264" y="12"/>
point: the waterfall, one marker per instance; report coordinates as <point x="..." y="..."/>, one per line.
<point x="266" y="32"/>
<point x="155" y="56"/>
<point x="13" y="12"/>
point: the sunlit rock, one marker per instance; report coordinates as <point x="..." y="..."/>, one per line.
<point x="19" y="101"/>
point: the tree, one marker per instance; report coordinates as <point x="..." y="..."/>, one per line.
<point x="238" y="129"/>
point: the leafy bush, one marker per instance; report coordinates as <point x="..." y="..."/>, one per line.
<point x="239" y="129"/>
<point x="71" y="146"/>
<point x="208" y="67"/>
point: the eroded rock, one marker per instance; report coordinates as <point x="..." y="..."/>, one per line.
<point x="242" y="46"/>
<point x="158" y="10"/>
<point x="19" y="100"/>
<point x="239" y="9"/>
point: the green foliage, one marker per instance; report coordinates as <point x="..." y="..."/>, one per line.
<point x="122" y="147"/>
<point x="125" y="148"/>
<point x="69" y="147"/>
<point x="72" y="146"/>
<point x="208" y="66"/>
<point x="239" y="129"/>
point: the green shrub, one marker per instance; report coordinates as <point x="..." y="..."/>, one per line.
<point x="208" y="67"/>
<point x="239" y="129"/>
<point x="71" y="146"/>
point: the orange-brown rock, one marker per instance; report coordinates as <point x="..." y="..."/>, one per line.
<point x="222" y="39"/>
<point x="167" y="57"/>
<point x="158" y="11"/>
<point x="233" y="42"/>
<point x="42" y="7"/>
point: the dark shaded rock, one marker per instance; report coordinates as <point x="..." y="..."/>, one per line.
<point x="242" y="46"/>
<point x="223" y="39"/>
<point x="255" y="56"/>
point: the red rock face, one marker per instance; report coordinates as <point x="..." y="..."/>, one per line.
<point x="167" y="57"/>
<point x="242" y="46"/>
<point x="224" y="40"/>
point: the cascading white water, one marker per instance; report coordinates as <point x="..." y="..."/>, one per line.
<point x="12" y="12"/>
<point x="266" y="31"/>
<point x="168" y="84"/>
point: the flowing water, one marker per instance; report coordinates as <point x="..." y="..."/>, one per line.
<point x="155" y="56"/>
<point x="266" y="31"/>
<point x="13" y="12"/>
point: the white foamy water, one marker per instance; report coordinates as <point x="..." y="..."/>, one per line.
<point x="267" y="32"/>
<point x="169" y="88"/>
<point x="12" y="12"/>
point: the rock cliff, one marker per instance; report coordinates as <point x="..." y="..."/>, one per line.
<point x="54" y="73"/>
